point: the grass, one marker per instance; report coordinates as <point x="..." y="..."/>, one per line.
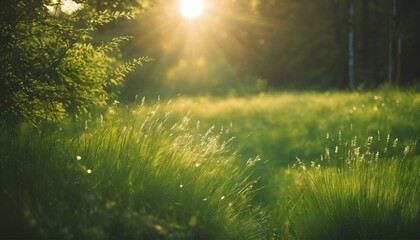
<point x="211" y="168"/>
<point x="119" y="178"/>
<point x="360" y="193"/>
<point x="281" y="127"/>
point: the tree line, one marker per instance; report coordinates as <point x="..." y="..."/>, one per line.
<point x="305" y="44"/>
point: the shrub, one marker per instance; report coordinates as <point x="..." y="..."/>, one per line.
<point x="49" y="63"/>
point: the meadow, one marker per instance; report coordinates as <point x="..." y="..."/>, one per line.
<point x="291" y="165"/>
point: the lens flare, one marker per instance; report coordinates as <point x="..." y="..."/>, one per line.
<point x="191" y="8"/>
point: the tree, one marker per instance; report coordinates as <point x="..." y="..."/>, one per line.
<point x="49" y="65"/>
<point x="350" y="43"/>
<point x="391" y="41"/>
<point x="292" y="44"/>
<point x="365" y="36"/>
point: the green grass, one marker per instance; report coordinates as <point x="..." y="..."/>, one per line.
<point x="219" y="168"/>
<point x="281" y="127"/>
<point x="354" y="192"/>
<point x="133" y="177"/>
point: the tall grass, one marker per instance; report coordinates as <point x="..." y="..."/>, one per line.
<point x="281" y="127"/>
<point x="356" y="191"/>
<point x="130" y="176"/>
<point x="189" y="170"/>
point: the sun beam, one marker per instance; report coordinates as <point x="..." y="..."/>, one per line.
<point x="191" y="8"/>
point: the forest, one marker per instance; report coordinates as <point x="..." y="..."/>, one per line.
<point x="209" y="119"/>
<point x="324" y="44"/>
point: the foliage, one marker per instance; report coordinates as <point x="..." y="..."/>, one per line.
<point x="49" y="63"/>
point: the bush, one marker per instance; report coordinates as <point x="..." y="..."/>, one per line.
<point x="49" y="63"/>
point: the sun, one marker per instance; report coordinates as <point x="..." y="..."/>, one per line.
<point x="191" y="8"/>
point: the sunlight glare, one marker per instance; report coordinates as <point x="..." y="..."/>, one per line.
<point x="66" y="6"/>
<point x="191" y="8"/>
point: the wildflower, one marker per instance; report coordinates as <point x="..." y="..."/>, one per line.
<point x="369" y="141"/>
<point x="78" y="158"/>
<point x="89" y="171"/>
<point x="185" y="120"/>
<point x="406" y="151"/>
<point x="394" y="144"/>
<point x="357" y="151"/>
<point x="223" y="197"/>
<point x="327" y="153"/>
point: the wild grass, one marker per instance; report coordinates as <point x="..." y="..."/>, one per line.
<point x="133" y="177"/>
<point x="281" y="127"/>
<point x="355" y="191"/>
<point x="213" y="168"/>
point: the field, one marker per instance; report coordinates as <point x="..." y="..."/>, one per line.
<point x="286" y="165"/>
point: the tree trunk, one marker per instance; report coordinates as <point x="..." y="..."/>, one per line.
<point x="375" y="48"/>
<point x="392" y="30"/>
<point x="350" y="44"/>
<point x="365" y="54"/>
